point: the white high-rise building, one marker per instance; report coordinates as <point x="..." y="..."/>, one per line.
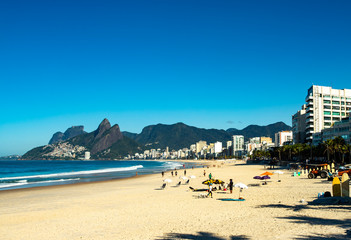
<point x="238" y="145"/>
<point x="324" y="107"/>
<point x="282" y="137"/>
<point x="218" y="147"/>
<point x="87" y="155"/>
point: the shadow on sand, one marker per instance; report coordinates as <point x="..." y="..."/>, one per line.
<point x="297" y="208"/>
<point x="200" y="236"/>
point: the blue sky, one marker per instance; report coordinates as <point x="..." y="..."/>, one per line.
<point x="210" y="64"/>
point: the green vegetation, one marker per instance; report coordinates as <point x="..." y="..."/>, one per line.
<point x="37" y="153"/>
<point x="335" y="150"/>
<point x="120" y="149"/>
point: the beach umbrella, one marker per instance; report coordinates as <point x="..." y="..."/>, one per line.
<point x="192" y="176"/>
<point x="167" y="180"/>
<point x="266" y="174"/>
<point x="278" y="172"/>
<point x="213" y="181"/>
<point x="257" y="177"/>
<point x="241" y="186"/>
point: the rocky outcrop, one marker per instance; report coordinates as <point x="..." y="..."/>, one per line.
<point x="69" y="133"/>
<point x="105" y="136"/>
<point x="57" y="137"/>
<point x="103" y="127"/>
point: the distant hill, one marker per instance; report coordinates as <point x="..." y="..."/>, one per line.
<point x="258" y="131"/>
<point x="180" y="135"/>
<point x="69" y="133"/>
<point x="108" y="142"/>
<point x="105" y="142"/>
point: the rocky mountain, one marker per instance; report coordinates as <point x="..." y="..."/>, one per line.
<point x="69" y="133"/>
<point x="100" y="139"/>
<point x="105" y="142"/>
<point x="180" y="135"/>
<point x="108" y="142"/>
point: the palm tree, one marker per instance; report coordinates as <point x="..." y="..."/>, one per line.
<point x="338" y="143"/>
<point x="343" y="150"/>
<point x="329" y="148"/>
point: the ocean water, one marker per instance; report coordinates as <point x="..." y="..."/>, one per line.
<point x="35" y="173"/>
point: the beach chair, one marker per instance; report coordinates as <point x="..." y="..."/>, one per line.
<point x="187" y="182"/>
<point x="163" y="186"/>
<point x="178" y="184"/>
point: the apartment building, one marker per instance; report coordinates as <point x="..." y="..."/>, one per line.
<point x="299" y="125"/>
<point x="283" y="137"/>
<point x="238" y="145"/>
<point x="339" y="129"/>
<point x="200" y="145"/>
<point x="325" y="106"/>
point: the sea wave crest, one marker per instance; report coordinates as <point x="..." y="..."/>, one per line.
<point x="106" y="170"/>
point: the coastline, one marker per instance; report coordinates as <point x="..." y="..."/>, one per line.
<point x="135" y="208"/>
<point x="200" y="162"/>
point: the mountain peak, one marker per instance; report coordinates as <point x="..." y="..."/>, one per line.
<point x="103" y="127"/>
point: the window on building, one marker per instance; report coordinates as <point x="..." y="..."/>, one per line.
<point x="327" y="124"/>
<point x="342" y="108"/>
<point x="326" y="101"/>
<point x="326" y="96"/>
<point x="327" y="118"/>
<point x="348" y="108"/>
<point x="336" y="102"/>
<point x="342" y="103"/>
<point x="336" y="108"/>
<point x="336" y="114"/>
<point x="336" y="119"/>
<point x="326" y="112"/>
<point x="348" y="103"/>
<point x="327" y="107"/>
<point x="335" y="97"/>
<point x="342" y="114"/>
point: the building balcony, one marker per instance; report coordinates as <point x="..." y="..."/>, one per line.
<point x="309" y="131"/>
<point x="310" y="114"/>
<point x="309" y="120"/>
<point x="310" y="97"/>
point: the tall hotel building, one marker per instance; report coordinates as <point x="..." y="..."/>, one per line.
<point x="238" y="145"/>
<point x="324" y="107"/>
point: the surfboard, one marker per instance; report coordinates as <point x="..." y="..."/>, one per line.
<point x="345" y="185"/>
<point x="336" y="187"/>
<point x="231" y="199"/>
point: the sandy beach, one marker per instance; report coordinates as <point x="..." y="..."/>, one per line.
<point x="136" y="208"/>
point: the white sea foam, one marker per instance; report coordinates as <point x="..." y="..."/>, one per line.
<point x="25" y="182"/>
<point x="172" y="165"/>
<point x="107" y="170"/>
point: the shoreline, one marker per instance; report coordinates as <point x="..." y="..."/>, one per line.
<point x="201" y="163"/>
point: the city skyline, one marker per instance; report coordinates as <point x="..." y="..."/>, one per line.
<point x="206" y="64"/>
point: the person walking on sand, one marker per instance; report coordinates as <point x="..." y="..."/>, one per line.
<point x="172" y="173"/>
<point x="184" y="172"/>
<point x="231" y="186"/>
<point x="210" y="190"/>
<point x="163" y="174"/>
<point x="176" y="173"/>
<point x="204" y="173"/>
<point x="210" y="176"/>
